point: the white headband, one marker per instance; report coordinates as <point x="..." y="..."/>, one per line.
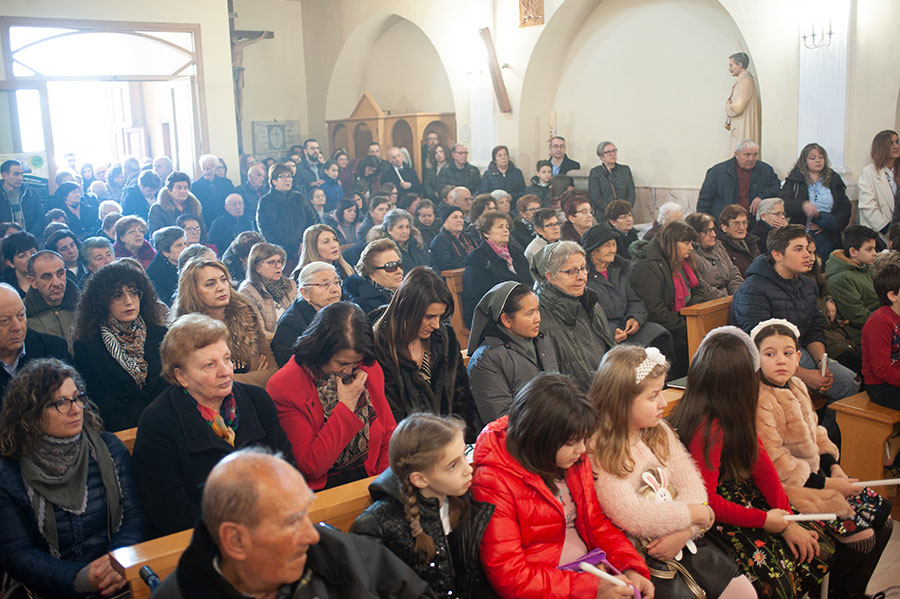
<point x="653" y="358"/>
<point x="786" y="324"/>
<point x="740" y="334"/>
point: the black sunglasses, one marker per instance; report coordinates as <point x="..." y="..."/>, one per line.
<point x="390" y="266"/>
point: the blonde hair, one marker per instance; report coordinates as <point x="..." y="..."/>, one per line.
<point x="188" y="299"/>
<point x="416" y="446"/>
<point x="310" y="251"/>
<point x="612" y="394"/>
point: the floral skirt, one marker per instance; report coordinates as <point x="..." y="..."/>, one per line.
<point x="765" y="557"/>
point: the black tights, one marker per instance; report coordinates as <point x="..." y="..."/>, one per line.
<point x="852" y="568"/>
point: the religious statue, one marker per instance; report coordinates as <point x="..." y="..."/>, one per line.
<point x="237" y="67"/>
<point x="743" y="116"/>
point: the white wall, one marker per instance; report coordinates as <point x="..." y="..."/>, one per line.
<point x="212" y="17"/>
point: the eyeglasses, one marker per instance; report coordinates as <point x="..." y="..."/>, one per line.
<point x="390" y="266"/>
<point x="585" y="211"/>
<point x="274" y="262"/>
<point x="709" y="231"/>
<point x="737" y="223"/>
<point x="554" y="225"/>
<point x="119" y="296"/>
<point x="64" y="404"/>
<point x="575" y="271"/>
<point x="193" y="229"/>
<point x="779" y="213"/>
<point x="613" y="151"/>
<point x="625" y="216"/>
<point x="325" y="285"/>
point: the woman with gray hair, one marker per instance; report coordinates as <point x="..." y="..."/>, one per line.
<point x="571" y="315"/>
<point x="668" y="212"/>
<point x="398" y="226"/>
<point x="319" y="286"/>
<point x="610" y="180"/>
<point x="769" y="215"/>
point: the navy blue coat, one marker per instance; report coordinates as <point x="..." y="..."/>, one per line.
<point x="512" y="181"/>
<point x="364" y="294"/>
<point x="720" y="187"/>
<point x="37" y="345"/>
<point x="765" y="294"/>
<point x="25" y="555"/>
<point x="616" y="296"/>
<point x="212" y="196"/>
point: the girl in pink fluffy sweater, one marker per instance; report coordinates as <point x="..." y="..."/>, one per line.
<point x="648" y="484"/>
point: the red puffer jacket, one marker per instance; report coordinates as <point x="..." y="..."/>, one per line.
<point x="523" y="542"/>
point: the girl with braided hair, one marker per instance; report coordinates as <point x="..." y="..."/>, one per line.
<point x="423" y="510"/>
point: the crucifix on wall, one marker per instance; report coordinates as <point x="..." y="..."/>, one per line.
<point x="240" y="39"/>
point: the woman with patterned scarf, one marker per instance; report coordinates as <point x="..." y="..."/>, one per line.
<point x="117" y="335"/>
<point x="265" y="286"/>
<point x="331" y="402"/>
<point x="67" y="495"/>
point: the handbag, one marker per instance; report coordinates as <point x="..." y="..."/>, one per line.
<point x="596" y="557"/>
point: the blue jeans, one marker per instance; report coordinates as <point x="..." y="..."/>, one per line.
<point x="845" y="383"/>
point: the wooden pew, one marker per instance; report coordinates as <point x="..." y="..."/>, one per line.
<point x="865" y="428"/>
<point x="672" y="397"/>
<point x="455" y="284"/>
<point x="127" y="437"/>
<point x="702" y="318"/>
<point x="338" y="507"/>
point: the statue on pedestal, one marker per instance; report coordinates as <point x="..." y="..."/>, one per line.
<point x="743" y="116"/>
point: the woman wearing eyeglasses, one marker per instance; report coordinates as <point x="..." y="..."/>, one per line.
<point x="714" y="266"/>
<point x="579" y="218"/>
<point x="118" y="330"/>
<point x="67" y="494"/>
<point x="283" y="214"/>
<point x="265" y="286"/>
<point x="321" y="244"/>
<point x="380" y="272"/>
<point x="330" y="400"/>
<point x="492" y="262"/>
<point x="571" y="315"/>
<point x="451" y="245"/>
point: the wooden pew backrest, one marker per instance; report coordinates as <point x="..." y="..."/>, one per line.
<point x="865" y="428"/>
<point x="702" y="318"/>
<point x="127" y="437"/>
<point x="454" y="279"/>
<point x="338" y="507"/>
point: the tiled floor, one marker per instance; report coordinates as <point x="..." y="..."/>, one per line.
<point x="887" y="575"/>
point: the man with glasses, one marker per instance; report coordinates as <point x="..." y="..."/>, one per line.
<point x="559" y="160"/>
<point x="318" y="286"/>
<point x="547" y="227"/>
<point x="769" y="215"/>
<point x="743" y="179"/>
<point x="610" y="181"/>
<point x="459" y="173"/>
<point x="18" y="343"/>
<point x="742" y="247"/>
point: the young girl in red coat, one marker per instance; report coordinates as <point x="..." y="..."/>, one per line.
<point x="807" y="461"/>
<point x="716" y="420"/>
<point x="532" y="466"/>
<point x="648" y="484"/>
<point x="423" y="510"/>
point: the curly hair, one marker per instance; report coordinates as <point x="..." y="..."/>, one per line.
<point x="32" y="389"/>
<point x="92" y="310"/>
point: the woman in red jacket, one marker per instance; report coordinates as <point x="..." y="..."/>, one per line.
<point x="532" y="466"/>
<point x="330" y="400"/>
<point x="716" y="420"/>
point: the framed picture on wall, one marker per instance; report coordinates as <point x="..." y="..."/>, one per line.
<point x="273" y="138"/>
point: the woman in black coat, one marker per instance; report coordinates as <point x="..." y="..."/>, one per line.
<point x="118" y="331"/>
<point x="492" y="262"/>
<point x="194" y="423"/>
<point x="451" y="245"/>
<point x="283" y="214"/>
<point x="502" y="174"/>
<point x="815" y="196"/>
<point x="380" y="273"/>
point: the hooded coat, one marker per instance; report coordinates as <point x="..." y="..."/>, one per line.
<point x="576" y="326"/>
<point x="853" y="290"/>
<point x="455" y="570"/>
<point x="500" y="363"/>
<point x="523" y="542"/>
<point x="164" y="212"/>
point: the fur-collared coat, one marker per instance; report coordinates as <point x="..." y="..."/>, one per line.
<point x="249" y="343"/>
<point x="164" y="212"/>
<point x="787" y="426"/>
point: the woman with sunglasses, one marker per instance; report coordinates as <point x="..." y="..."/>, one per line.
<point x="265" y="286"/>
<point x="380" y="272"/>
<point x="118" y="330"/>
<point x="67" y="494"/>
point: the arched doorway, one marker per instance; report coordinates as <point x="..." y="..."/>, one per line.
<point x="402" y="136"/>
<point x="340" y="138"/>
<point x="362" y="137"/>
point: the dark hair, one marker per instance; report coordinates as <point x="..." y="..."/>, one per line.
<point x="176" y="176"/>
<point x="731" y="212"/>
<point x="328" y="164"/>
<point x="774" y="329"/>
<point x="542" y="216"/>
<point x="722" y="386"/>
<point x="378" y="200"/>
<point x="344" y="204"/>
<point x="855" y="236"/>
<point x="887" y="279"/>
<point x="308" y="141"/>
<point x="407" y="200"/>
<point x="30" y="391"/>
<point x="58" y="236"/>
<point x="6" y="226"/>
<point x="8" y="164"/>
<point x="699" y="221"/>
<point x="149" y="179"/>
<point x="401" y="321"/>
<point x="278" y="169"/>
<point x="40" y="255"/>
<point x="779" y="239"/>
<point x="618" y="208"/>
<point x="165" y="237"/>
<point x="424" y="203"/>
<point x="489" y="218"/>
<point x="183" y="218"/>
<point x="92" y="310"/>
<point x="893" y="235"/>
<point x="65" y="188"/>
<point x="111" y="219"/>
<point x="571" y="205"/>
<point x="528" y="198"/>
<point x="741" y="58"/>
<point x="497" y="149"/>
<point x="514" y="300"/>
<point x="881" y="151"/>
<point x="668" y="238"/>
<point x="542" y="163"/>
<point x="804" y="169"/>
<point x="336" y="327"/>
<point x="17" y="243"/>
<point x="548" y="412"/>
<point x="55" y="213"/>
<point x="479" y="205"/>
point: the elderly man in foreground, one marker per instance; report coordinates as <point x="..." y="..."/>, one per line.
<point x="255" y="538"/>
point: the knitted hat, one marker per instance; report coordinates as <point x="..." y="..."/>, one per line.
<point x="597" y="236"/>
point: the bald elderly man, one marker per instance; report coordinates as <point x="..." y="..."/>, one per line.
<point x="404" y="177"/>
<point x="18" y="344"/>
<point x="255" y="539"/>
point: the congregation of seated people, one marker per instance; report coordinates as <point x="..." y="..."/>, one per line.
<point x="307" y="311"/>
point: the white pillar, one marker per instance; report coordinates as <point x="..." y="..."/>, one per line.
<point x="822" y="101"/>
<point x="481" y="92"/>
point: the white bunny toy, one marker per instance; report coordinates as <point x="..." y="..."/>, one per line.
<point x="661" y="492"/>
